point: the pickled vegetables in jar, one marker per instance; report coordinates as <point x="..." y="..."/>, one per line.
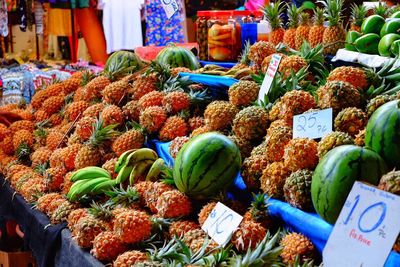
<point x="201" y="34"/>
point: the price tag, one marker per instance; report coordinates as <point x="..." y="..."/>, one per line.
<point x="313" y="124"/>
<point x="366" y="229"/>
<point x="170" y="7"/>
<point x="221" y="223"/>
<point x="269" y="76"/>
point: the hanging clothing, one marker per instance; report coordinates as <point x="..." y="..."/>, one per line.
<point x="3" y="18"/>
<point x="122" y="24"/>
<point x="22" y="14"/>
<point x="59" y="22"/>
<point x="159" y="29"/>
<point x="39" y="13"/>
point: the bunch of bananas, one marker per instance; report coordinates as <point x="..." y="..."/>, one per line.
<point x="135" y="164"/>
<point x="236" y="73"/>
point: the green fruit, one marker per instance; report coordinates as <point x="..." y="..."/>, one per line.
<point x="392" y="26"/>
<point x="368" y="43"/>
<point x="383" y="133"/>
<point x="386" y="42"/>
<point x="395" y="48"/>
<point x="178" y="57"/>
<point x="123" y="60"/>
<point x="351" y="37"/>
<point x="372" y="24"/>
<point x="206" y="164"/>
<point x="395" y="15"/>
<point x="336" y="173"/>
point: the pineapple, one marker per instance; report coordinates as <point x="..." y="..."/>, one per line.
<point x="153" y="118"/>
<point x="109" y="166"/>
<point x="197" y="240"/>
<point x="248" y="235"/>
<point x="173" y="127"/>
<point x="70" y="85"/>
<point x="175" y="71"/>
<point x="290" y="64"/>
<point x="220" y="114"/>
<point x="297" y="189"/>
<point x="74" y="216"/>
<point x="61" y="213"/>
<point x="267" y="61"/>
<point x="143" y="85"/>
<point x="21" y="125"/>
<point x="94" y="110"/>
<point x="338" y="95"/>
<point x="176" y="101"/>
<point x="132" y="226"/>
<point x="107" y="246"/>
<point x="22" y="139"/>
<point x="131" y="110"/>
<point x="376" y="102"/>
<point x="259" y="51"/>
<point x="7" y="145"/>
<point x="173" y="204"/>
<point x="75" y="110"/>
<point x="201" y="130"/>
<point x="154" y="98"/>
<point x="132" y="139"/>
<point x="4" y="131"/>
<point x="66" y="186"/>
<point x="93" y="89"/>
<point x="303" y="31"/>
<point x="130" y="258"/>
<point x="55" y="140"/>
<point x="245" y="146"/>
<point x="115" y="92"/>
<point x="251" y="123"/>
<point x="53" y="104"/>
<point x="252" y="170"/>
<point x="382" y="10"/>
<point x="57" y="158"/>
<point x="289" y="38"/>
<point x="359" y="140"/>
<point x="334" y="35"/>
<point x="273" y="179"/>
<point x="333" y="140"/>
<point x="112" y="115"/>
<point x="358" y="77"/>
<point x="179" y="228"/>
<point x="54" y="178"/>
<point x="317" y="30"/>
<point x="358" y="14"/>
<point x="43" y="202"/>
<point x="32" y="188"/>
<point x="351" y="121"/>
<point x="244" y="61"/>
<point x="243" y="93"/>
<point x="40" y="156"/>
<point x="390" y="182"/>
<point x="177" y="144"/>
<point x="301" y="153"/>
<point x="296" y="246"/>
<point x="258" y="211"/>
<point x="41" y="115"/>
<point x="206" y="211"/>
<point x="55" y="119"/>
<point x="276" y="140"/>
<point x="273" y="16"/>
<point x="84" y="127"/>
<point x="86" y="229"/>
<point x="296" y="102"/>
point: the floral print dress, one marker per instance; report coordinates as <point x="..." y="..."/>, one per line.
<point x="159" y="29"/>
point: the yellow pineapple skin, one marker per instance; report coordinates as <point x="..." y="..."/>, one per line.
<point x="107" y="246"/>
<point x="220" y="114"/>
<point x="276" y="36"/>
<point x="179" y="228"/>
<point x="87" y="156"/>
<point x="261" y="50"/>
<point x="248" y="235"/>
<point x="251" y="123"/>
<point x="291" y="63"/>
<point x="302" y="34"/>
<point x="301" y="153"/>
<point x="173" y="204"/>
<point x="243" y="93"/>
<point x="351" y="121"/>
<point x="115" y="92"/>
<point x="132" y="226"/>
<point x="273" y="179"/>
<point x="353" y="75"/>
<point x="296" y="245"/>
<point x="132" y="139"/>
<point x="276" y="140"/>
<point x="333" y="39"/>
<point x="174" y="126"/>
<point x="316" y="35"/>
<point x="289" y="38"/>
<point x="205" y="212"/>
<point x="130" y="258"/>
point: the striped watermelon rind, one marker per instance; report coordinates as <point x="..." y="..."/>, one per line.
<point x="336" y="173"/>
<point x="206" y="164"/>
<point x="178" y="57"/>
<point x="382" y="133"/>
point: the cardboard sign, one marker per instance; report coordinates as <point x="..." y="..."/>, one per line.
<point x="313" y="124"/>
<point x="269" y="76"/>
<point x="170" y="7"/>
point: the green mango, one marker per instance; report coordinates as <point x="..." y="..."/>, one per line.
<point x="373" y="24"/>
<point x="386" y="42"/>
<point x="395" y="15"/>
<point x="395" y="48"/>
<point x="351" y="37"/>
<point x="368" y="43"/>
<point x="392" y="26"/>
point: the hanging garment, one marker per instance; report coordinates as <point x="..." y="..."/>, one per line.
<point x="3" y="18"/>
<point x="59" y="22"/>
<point x="122" y="24"/>
<point x="39" y="13"/>
<point x="159" y="29"/>
<point x="22" y="14"/>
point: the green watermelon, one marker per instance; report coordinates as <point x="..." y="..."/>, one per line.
<point x="382" y="134"/>
<point x="336" y="173"/>
<point x="178" y="57"/>
<point x="123" y="61"/>
<point x="206" y="164"/>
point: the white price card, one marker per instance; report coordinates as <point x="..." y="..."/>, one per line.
<point x="366" y="229"/>
<point x="170" y="7"/>
<point x="269" y="76"/>
<point x="221" y="223"/>
<point x="313" y="124"/>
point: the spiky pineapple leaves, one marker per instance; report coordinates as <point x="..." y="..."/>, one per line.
<point x="122" y="197"/>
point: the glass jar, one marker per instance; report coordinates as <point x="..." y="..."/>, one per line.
<point x="201" y="34"/>
<point x="222" y="37"/>
<point x="241" y="17"/>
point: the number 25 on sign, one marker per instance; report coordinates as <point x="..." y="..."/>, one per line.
<point x="366" y="229"/>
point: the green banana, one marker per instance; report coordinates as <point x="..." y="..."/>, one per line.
<point x="75" y="187"/>
<point x="123" y="174"/>
<point x="89" y="173"/>
<point x="122" y="159"/>
<point x="139" y="170"/>
<point x="141" y="154"/>
<point x="87" y="187"/>
<point x="102" y="187"/>
<point x="155" y="170"/>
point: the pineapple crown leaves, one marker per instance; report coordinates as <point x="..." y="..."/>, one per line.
<point x="333" y="11"/>
<point x="358" y="13"/>
<point x="168" y="252"/>
<point x="200" y="97"/>
<point x="244" y="57"/>
<point x="87" y="76"/>
<point x="122" y="197"/>
<point x="315" y="59"/>
<point x="23" y="151"/>
<point x="217" y="258"/>
<point x="298" y="263"/>
<point x="162" y="70"/>
<point x="381" y="10"/>
<point x="101" y="134"/>
<point x="41" y="168"/>
<point x="167" y="176"/>
<point x="318" y="16"/>
<point x="273" y="14"/>
<point x="189" y="256"/>
<point x="259" y="204"/>
<point x="176" y="83"/>
<point x="100" y="211"/>
<point x="266" y="253"/>
<point x="293" y="14"/>
<point x="304" y="19"/>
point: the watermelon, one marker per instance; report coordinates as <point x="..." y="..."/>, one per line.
<point x="123" y="61"/>
<point x="178" y="57"/>
<point x="206" y="164"/>
<point x="336" y="173"/>
<point x="382" y="134"/>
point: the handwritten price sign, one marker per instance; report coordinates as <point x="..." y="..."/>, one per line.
<point x="313" y="124"/>
<point x="269" y="76"/>
<point x="221" y="223"/>
<point x="366" y="229"/>
<point x="170" y="7"/>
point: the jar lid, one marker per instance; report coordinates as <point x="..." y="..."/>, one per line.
<point x="243" y="13"/>
<point x="204" y="13"/>
<point x="221" y="13"/>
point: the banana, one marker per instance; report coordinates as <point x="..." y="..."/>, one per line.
<point x="155" y="170"/>
<point x="140" y="170"/>
<point x="89" y="173"/>
<point x="141" y="154"/>
<point x="123" y="174"/>
<point x="87" y="187"/>
<point x="102" y="187"/>
<point x="122" y="159"/>
<point x="74" y="188"/>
